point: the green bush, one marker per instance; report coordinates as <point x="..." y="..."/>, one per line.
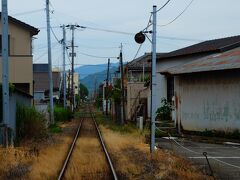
<point x="54" y="128"/>
<point x="164" y="112"/>
<point x="61" y="114"/>
<point x="30" y="123"/>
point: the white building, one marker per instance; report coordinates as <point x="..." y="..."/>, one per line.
<point x="196" y="95"/>
<point x="207" y="92"/>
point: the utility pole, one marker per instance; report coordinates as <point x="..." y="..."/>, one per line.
<point x="5" y="81"/>
<point x="122" y="87"/>
<point x="64" y="66"/>
<point x="143" y="72"/>
<point x="153" y="92"/>
<point x="95" y="88"/>
<point x="72" y="85"/>
<point x="72" y="28"/>
<point x="69" y="91"/>
<point x="107" y="86"/>
<point x="49" y="63"/>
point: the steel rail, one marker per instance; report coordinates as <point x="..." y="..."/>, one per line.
<point x="104" y="147"/>
<point x="70" y="152"/>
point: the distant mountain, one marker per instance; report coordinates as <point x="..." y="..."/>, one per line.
<point x="90" y="80"/>
<point x="86" y="70"/>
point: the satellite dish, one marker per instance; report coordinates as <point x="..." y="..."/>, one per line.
<point x="140" y="38"/>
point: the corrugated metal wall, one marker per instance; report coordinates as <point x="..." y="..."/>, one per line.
<point x="208" y="101"/>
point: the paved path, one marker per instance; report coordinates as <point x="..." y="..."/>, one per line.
<point x="224" y="159"/>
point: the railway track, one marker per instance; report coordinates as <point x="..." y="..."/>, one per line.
<point x="87" y="157"/>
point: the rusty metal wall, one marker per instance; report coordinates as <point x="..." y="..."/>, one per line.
<point x="208" y="101"/>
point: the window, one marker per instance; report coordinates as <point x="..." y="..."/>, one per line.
<point x="170" y="88"/>
<point x="1" y="44"/>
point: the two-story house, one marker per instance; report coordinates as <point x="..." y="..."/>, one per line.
<point x="20" y="54"/>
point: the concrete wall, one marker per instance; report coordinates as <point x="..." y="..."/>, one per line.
<point x="14" y="98"/>
<point x="164" y="64"/>
<point x="208" y="101"/>
<point x="38" y="96"/>
<point x="75" y="82"/>
<point x="20" y="58"/>
<point x="133" y="89"/>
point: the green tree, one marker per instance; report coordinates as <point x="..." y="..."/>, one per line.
<point x="115" y="94"/>
<point x="83" y="91"/>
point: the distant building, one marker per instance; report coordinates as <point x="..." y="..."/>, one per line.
<point x="41" y="82"/>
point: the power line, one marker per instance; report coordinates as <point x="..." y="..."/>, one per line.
<point x="179" y="39"/>
<point x="149" y="23"/>
<point x="94" y="65"/>
<point x="163" y="6"/>
<point x="43" y="54"/>
<point x="45" y="47"/>
<point x="107" y="30"/>
<point x="55" y="35"/>
<point x="137" y="51"/>
<point x="91" y="47"/>
<point x="178" y="15"/>
<point x="28" y="12"/>
<point x="127" y="33"/>
<point x="94" y="56"/>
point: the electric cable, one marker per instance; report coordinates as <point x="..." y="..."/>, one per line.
<point x="43" y="54"/>
<point x="91" y="47"/>
<point x="163" y="6"/>
<point x="185" y="9"/>
<point x="94" y="56"/>
<point x="28" y="12"/>
<point x="149" y="23"/>
<point x="55" y="35"/>
<point x="140" y="46"/>
<point x="106" y="30"/>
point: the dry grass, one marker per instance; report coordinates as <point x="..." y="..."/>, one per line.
<point x="133" y="160"/>
<point x="88" y="159"/>
<point x="50" y="160"/>
<point x="14" y="163"/>
<point x="40" y="160"/>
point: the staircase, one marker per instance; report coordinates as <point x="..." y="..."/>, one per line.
<point x="135" y="107"/>
<point x="167" y="126"/>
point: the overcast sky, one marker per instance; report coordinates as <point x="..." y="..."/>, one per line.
<point x="204" y="20"/>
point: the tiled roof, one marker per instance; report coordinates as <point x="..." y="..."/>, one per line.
<point x="219" y="61"/>
<point x="40" y="67"/>
<point x="216" y="45"/>
<point x="33" y="30"/>
<point x="137" y="64"/>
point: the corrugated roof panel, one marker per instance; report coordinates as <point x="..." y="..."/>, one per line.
<point x="220" y="61"/>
